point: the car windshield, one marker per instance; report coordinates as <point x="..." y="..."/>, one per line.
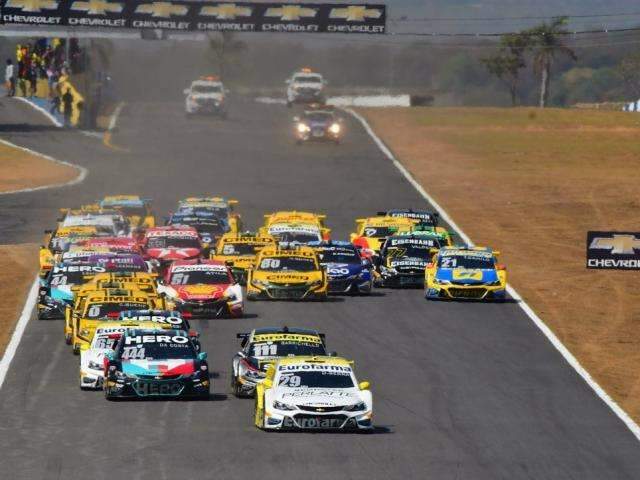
<point x="109" y="310"/>
<point x="299" y="237"/>
<point x="467" y="261"/>
<point x="163" y="347"/>
<point x="206" y="89"/>
<point x="315" y="379"/>
<point x="307" y="79"/>
<point x="173" y="242"/>
<point x="133" y="211"/>
<point x="240" y="249"/>
<point x="319" y="117"/>
<point x="417" y="248"/>
<point x="378" y="232"/>
<point x="66" y="278"/>
<point x="286" y="348"/>
<point x="297" y="264"/>
<point x="339" y="255"/>
<point x="208" y="277"/>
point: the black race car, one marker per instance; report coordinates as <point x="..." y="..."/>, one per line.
<point x="153" y="363"/>
<point x="404" y="258"/>
<point x="209" y="226"/>
<point x="321" y="124"/>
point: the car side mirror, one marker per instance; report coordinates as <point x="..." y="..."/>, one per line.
<point x="267" y="382"/>
<point x="500" y="266"/>
<point x="202" y="356"/>
<point x="429" y="265"/>
<point x="241" y="354"/>
<point x="364" y="385"/>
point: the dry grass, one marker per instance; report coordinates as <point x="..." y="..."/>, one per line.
<point x="531" y="183"/>
<point x="18" y="267"/>
<point x="19" y="169"/>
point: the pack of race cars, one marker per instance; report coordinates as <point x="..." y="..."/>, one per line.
<point x="127" y="290"/>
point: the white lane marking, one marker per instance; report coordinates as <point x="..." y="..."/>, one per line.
<point x="82" y="172"/>
<point x="113" y="121"/>
<point x="555" y="341"/>
<point x="43" y="111"/>
<point x="12" y="347"/>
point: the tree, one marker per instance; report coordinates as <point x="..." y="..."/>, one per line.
<point x="546" y="43"/>
<point x="629" y="70"/>
<point x="225" y="48"/>
<point x="507" y="63"/>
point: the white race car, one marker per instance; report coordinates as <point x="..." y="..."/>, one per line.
<point x="206" y="95"/>
<point x="313" y="393"/>
<point x="305" y="86"/>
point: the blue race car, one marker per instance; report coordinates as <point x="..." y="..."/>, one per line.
<point x="347" y="271"/>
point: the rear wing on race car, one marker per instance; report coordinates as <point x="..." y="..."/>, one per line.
<point x="244" y="337"/>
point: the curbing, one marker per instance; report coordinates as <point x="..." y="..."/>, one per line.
<point x="543" y="327"/>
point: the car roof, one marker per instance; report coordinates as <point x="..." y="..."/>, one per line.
<point x="337" y="361"/>
<point x="270" y="330"/>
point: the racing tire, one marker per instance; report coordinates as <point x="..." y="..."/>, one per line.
<point x="76" y="349"/>
<point x="67" y="339"/>
<point x="235" y="387"/>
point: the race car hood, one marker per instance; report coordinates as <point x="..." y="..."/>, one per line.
<point x="341" y="270"/>
<point x="318" y="397"/>
<point x="93" y="355"/>
<point x="239" y="261"/>
<point x="288" y="278"/>
<point x="160" y="368"/>
<point x="407" y="264"/>
<point x="199" y="292"/>
<point x="467" y="276"/>
<point x="62" y="293"/>
<point x="323" y="124"/>
<point x="172" y="253"/>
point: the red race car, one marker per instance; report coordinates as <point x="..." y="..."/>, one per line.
<point x="112" y="244"/>
<point x="202" y="288"/>
<point x="163" y="245"/>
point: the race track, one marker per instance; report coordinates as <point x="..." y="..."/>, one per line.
<point x="461" y="390"/>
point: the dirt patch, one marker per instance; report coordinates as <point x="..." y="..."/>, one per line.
<point x="18" y="267"/>
<point x="531" y="183"/>
<point x="20" y="169"/>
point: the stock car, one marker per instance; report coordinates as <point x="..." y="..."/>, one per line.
<point x="403" y="258"/>
<point x="466" y="273"/>
<point x="207" y="224"/>
<point x="239" y="251"/>
<point x="136" y="210"/>
<point x="223" y="208"/>
<point x="104" y="340"/>
<point x="318" y="124"/>
<point x="101" y="306"/>
<point x="298" y="218"/>
<point x="372" y="232"/>
<point x="347" y="270"/>
<point x="56" y="288"/>
<point x="313" y="393"/>
<point x="152" y="363"/>
<point x="203" y="288"/>
<point x="287" y="274"/>
<point x="262" y="347"/>
<point x="163" y="245"/>
<point x="106" y="222"/>
<point x="58" y="241"/>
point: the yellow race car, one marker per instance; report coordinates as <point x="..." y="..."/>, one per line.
<point x="287" y="274"/>
<point x="103" y="306"/>
<point x="466" y="273"/>
<point x="136" y="210"/>
<point x="239" y="251"/>
<point x="372" y="232"/>
<point x="294" y="217"/>
<point x="57" y="241"/>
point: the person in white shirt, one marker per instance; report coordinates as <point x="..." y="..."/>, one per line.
<point x="10" y="78"/>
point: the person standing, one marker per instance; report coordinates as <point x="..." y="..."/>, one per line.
<point x="67" y="102"/>
<point x="10" y="78"/>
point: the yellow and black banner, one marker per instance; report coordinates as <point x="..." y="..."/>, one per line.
<point x="198" y="16"/>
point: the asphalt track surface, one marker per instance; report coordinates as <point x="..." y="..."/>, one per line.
<point x="461" y="390"/>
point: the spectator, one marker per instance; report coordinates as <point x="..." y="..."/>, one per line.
<point x="33" y="79"/>
<point x="67" y="102"/>
<point x="55" y="102"/>
<point x="10" y="78"/>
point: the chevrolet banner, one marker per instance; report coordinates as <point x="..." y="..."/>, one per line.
<point x="198" y="16"/>
<point x="613" y="250"/>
